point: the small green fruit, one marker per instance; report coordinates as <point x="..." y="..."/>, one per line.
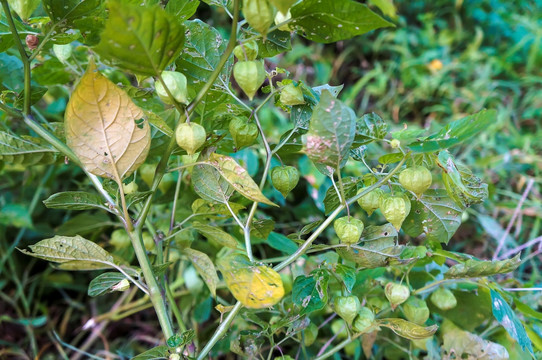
<point x="244" y="133"/>
<point x="177" y="86"/>
<point x="371" y="201"/>
<point x="247" y="51"/>
<point x="284" y="178"/>
<point x="416" y="179"/>
<point x="120" y="239"/>
<point x="416" y="310"/>
<point x="291" y="95"/>
<point x="129" y="188"/>
<point x="396" y="294"/>
<point x="347" y="307"/>
<point x="250" y="76"/>
<point x="280" y="18"/>
<point x="443" y="299"/>
<point x="190" y="137"/>
<point x="310" y="334"/>
<point x="364" y="321"/>
<point x="395" y="209"/>
<point x="395" y="144"/>
<point x="259" y="14"/>
<point x="348" y="230"/>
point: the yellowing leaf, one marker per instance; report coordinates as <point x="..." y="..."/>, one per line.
<point x="408" y="329"/>
<point x="238" y="178"/>
<point x="105" y="128"/>
<point x="255" y="286"/>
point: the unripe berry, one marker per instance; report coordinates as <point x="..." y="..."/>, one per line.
<point x="371" y="201"/>
<point x="284" y="178"/>
<point x="291" y="95"/>
<point x="416" y="179"/>
<point x="348" y="230"/>
<point x="190" y="137"/>
<point x="396" y="294"/>
<point x="177" y="86"/>
<point x="250" y="76"/>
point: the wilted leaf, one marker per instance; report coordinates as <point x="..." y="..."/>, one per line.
<point x="376" y="248"/>
<point x="238" y="178"/>
<point x="434" y="214"/>
<point x="309" y="293"/>
<point x="508" y="319"/>
<point x="75" y="253"/>
<point x="478" y="268"/>
<point x="456" y="132"/>
<point x="331" y="132"/>
<point x="215" y="234"/>
<point x="210" y="185"/>
<point x="461" y="344"/>
<point x="104" y="283"/>
<point x="255" y="286"/>
<point x="205" y="268"/>
<point x="462" y="186"/>
<point x="408" y="329"/>
<point x="104" y="128"/>
<point x="154" y="36"/>
<point x="331" y="21"/>
<point x="75" y="200"/>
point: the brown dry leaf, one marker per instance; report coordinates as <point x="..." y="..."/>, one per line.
<point x="104" y="128"/>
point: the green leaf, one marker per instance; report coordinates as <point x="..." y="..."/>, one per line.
<point x="434" y="214"/>
<point x="508" y="319"/>
<point x="24" y="8"/>
<point x="377" y="247"/>
<point x="104" y="283"/>
<point x="456" y="132"/>
<point x="309" y="293"/>
<point x="262" y="228"/>
<point x="129" y="31"/>
<point x="331" y="21"/>
<point x="75" y="200"/>
<point x="215" y="234"/>
<point x="74" y="253"/>
<point x="84" y="223"/>
<point x="25" y="151"/>
<point x="370" y="127"/>
<point x="210" y="185"/>
<point x="182" y="9"/>
<point x="527" y="310"/>
<point x="332" y="201"/>
<point x="203" y="50"/>
<point x="281" y="243"/>
<point x="238" y="178"/>
<point x="391" y="158"/>
<point x="347" y="274"/>
<point x="462" y="186"/>
<point x="478" y="268"/>
<point x="276" y="42"/>
<point x="86" y="16"/>
<point x="331" y="132"/>
<point x="205" y="268"/>
<point x="407" y="329"/>
<point x="179" y="340"/>
<point x="157" y="353"/>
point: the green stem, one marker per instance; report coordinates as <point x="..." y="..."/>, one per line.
<point x="222" y="329"/>
<point x="162" y="165"/>
<point x="154" y="289"/>
<point x="43" y="42"/>
<point x="24" y="57"/>
<point x="336" y="348"/>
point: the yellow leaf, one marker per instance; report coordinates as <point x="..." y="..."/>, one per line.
<point x="255" y="286"/>
<point x="104" y="128"/>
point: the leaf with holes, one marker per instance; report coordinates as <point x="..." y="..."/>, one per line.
<point x="331" y="132"/>
<point x="255" y="286"/>
<point x="154" y="35"/>
<point x="104" y="128"/>
<point x="434" y="214"/>
<point x="309" y="293"/>
<point x="73" y="253"/>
